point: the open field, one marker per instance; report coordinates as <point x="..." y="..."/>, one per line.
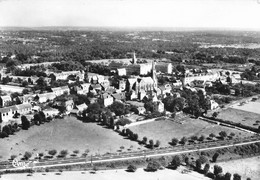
<point x="140" y="174"/>
<point x="165" y="130"/>
<point x="67" y="133"/>
<point x="249" y="167"/>
<point x="253" y="107"/>
<point x="240" y="116"/>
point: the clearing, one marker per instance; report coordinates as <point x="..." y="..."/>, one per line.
<point x="68" y="133"/>
<point x="240" y="116"/>
<point x="140" y="174"/>
<point x="165" y="130"/>
<point x="248" y="167"/>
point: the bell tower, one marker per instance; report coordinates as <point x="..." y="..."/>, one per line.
<point x="154" y="75"/>
<point x="134" y="60"/>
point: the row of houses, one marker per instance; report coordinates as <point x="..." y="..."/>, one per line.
<point x="8" y="113"/>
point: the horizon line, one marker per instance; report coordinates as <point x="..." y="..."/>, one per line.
<point x="144" y="28"/>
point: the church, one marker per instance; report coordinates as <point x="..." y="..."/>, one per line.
<point x="143" y="83"/>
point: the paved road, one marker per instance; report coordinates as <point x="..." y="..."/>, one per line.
<point x="140" y="155"/>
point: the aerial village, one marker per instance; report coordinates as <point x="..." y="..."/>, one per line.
<point x="135" y="84"/>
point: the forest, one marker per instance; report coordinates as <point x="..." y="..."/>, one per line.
<point x="33" y="46"/>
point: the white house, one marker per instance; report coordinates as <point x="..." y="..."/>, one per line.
<point x="213" y="105"/>
<point x="107" y="99"/>
<point x="5" y="100"/>
<point x="121" y="71"/>
<point x="24" y="108"/>
<point x="45" y="97"/>
<point x="60" y="90"/>
<point x="51" y="112"/>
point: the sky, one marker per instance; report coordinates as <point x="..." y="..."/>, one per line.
<point x="232" y="14"/>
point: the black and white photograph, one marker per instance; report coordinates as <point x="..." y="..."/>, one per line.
<point x="129" y="89"/>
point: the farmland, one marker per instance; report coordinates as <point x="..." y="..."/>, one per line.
<point x="69" y="134"/>
<point x="165" y="130"/>
<point x="240" y="116"/>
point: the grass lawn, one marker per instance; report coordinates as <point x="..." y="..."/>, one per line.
<point x="249" y="167"/>
<point x="253" y="107"/>
<point x="67" y="133"/>
<point x="165" y="130"/>
<point x="140" y="174"/>
<point x="240" y="116"/>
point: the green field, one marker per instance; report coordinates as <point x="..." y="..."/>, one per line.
<point x="165" y="130"/>
<point x="240" y="116"/>
<point x="67" y="133"/>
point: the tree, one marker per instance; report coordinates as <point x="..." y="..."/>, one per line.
<point x="131" y="168"/>
<point x="174" y="141"/>
<point x="198" y="165"/>
<point x="202" y="138"/>
<point x="41" y="84"/>
<point x="236" y="176"/>
<point x="25" y="123"/>
<point x="3" y="134"/>
<point x="24" y="84"/>
<point x="217" y="169"/>
<point x="63" y="153"/>
<point x="206" y="168"/>
<point x="52" y="152"/>
<point x="211" y="175"/>
<point x="157" y="144"/>
<point x="27" y="155"/>
<point x="227" y="176"/>
<point x="7" y="130"/>
<point x="153" y="166"/>
<point x="183" y="140"/>
<point x="223" y="134"/>
<point x="94" y="110"/>
<point x="187" y="160"/>
<point x="37" y="119"/>
<point x="219" y="176"/>
<point x="212" y="135"/>
<point x="112" y="122"/>
<point x="214" y="115"/>
<point x="43" y="117"/>
<point x="151" y="143"/>
<point x="176" y="161"/>
<point x="135" y="137"/>
<point x="203" y="159"/>
<point x="215" y="157"/>
<point x="25" y="91"/>
<point x="194" y="138"/>
<point x="118" y="108"/>
<point x="144" y="141"/>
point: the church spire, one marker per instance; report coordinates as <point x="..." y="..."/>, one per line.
<point x="134" y="60"/>
<point x="154" y="74"/>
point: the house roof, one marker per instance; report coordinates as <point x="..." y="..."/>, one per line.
<point x="47" y="95"/>
<point x="82" y="106"/>
<point x="69" y="102"/>
<point x="7" y="109"/>
<point x="146" y="80"/>
<point x="105" y="96"/>
<point x="141" y="108"/>
<point x="60" y="88"/>
<point x="96" y="86"/>
<point x="110" y="90"/>
<point x="24" y="106"/>
<point x="118" y="96"/>
<point x="85" y="85"/>
<point x="50" y="109"/>
<point x="6" y="97"/>
<point x="132" y="80"/>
